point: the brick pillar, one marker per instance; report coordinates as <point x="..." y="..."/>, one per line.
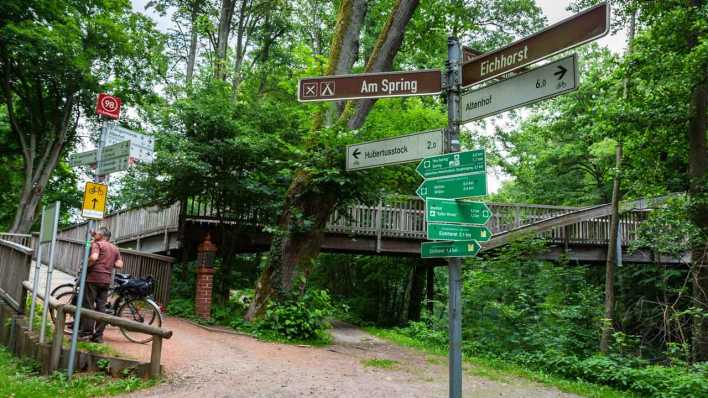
<point x="202" y="301"/>
<point x="205" y="277"/>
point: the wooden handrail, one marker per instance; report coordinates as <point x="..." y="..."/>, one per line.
<point x="16" y="246"/>
<point x="103" y="317"/>
<point x="157" y="333"/>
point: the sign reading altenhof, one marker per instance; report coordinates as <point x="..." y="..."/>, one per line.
<point x="370" y="85"/>
<point x="540" y="83"/>
<point x="401" y="149"/>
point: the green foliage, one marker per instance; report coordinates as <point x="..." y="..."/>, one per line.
<point x="650" y="381"/>
<point x="20" y="379"/>
<point x="299" y="318"/>
<point x="380" y="363"/>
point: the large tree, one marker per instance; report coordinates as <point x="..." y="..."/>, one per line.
<point x="55" y="55"/>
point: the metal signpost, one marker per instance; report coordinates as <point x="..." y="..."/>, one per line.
<point x="92" y="203"/>
<point x="37" y="267"/>
<point x="50" y="235"/>
<point x="142" y="147"/>
<point x="390" y="151"/>
<point x="547" y="81"/>
<point x="460" y="186"/>
<point x="452" y="164"/>
<point x="579" y="29"/>
<point x="453" y="175"/>
<point x="369" y="85"/>
<point x="118" y="150"/>
<point x="456" y="211"/>
<point x="458" y="232"/>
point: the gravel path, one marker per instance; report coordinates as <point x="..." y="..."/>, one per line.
<point x="202" y="363"/>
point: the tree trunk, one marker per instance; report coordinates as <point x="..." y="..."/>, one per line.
<point x="416" y="296"/>
<point x="698" y="195"/>
<point x="293" y="250"/>
<point x="192" y="56"/>
<point x="611" y="256"/>
<point x="614" y="220"/>
<point x="430" y="288"/>
<point x="222" y="42"/>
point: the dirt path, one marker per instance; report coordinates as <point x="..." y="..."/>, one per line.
<point x="203" y="364"/>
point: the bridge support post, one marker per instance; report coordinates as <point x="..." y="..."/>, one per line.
<point x="454" y="56"/>
<point x="205" y="278"/>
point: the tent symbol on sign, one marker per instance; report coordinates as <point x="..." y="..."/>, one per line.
<point x="309" y="90"/>
<point x="326" y="89"/>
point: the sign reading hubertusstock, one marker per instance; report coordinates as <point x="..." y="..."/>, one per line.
<point x="401" y="149"/>
<point x="370" y="85"/>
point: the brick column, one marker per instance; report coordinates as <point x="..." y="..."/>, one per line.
<point x="205" y="277"/>
<point x="202" y="301"/>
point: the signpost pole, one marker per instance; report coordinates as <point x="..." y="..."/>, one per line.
<point x="84" y="267"/>
<point x="454" y="55"/>
<point x="37" y="268"/>
<point x="50" y="269"/>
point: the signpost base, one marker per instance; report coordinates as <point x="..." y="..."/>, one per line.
<point x="455" y="324"/>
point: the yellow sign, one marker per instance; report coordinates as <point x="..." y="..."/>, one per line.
<point x="94" y="205"/>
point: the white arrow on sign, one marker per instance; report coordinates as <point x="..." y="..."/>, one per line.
<point x="544" y="82"/>
<point x="401" y="149"/>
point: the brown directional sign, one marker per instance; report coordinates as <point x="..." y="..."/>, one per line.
<point x="370" y="85"/>
<point x="568" y="33"/>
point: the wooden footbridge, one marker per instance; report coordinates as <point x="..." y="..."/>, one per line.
<point x="395" y="226"/>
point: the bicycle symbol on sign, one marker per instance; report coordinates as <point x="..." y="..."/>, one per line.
<point x="96" y="190"/>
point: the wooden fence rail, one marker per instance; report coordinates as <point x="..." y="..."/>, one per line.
<point x="157" y="333"/>
<point x="15" y="261"/>
<point x="20" y="239"/>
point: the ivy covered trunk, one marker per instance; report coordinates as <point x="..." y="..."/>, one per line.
<point x="310" y="201"/>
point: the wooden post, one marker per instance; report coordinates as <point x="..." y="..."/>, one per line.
<point x="155" y="357"/>
<point x="57" y="341"/>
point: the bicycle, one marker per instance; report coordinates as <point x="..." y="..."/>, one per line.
<point x="129" y="298"/>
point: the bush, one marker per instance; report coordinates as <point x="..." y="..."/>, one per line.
<point x="301" y="318"/>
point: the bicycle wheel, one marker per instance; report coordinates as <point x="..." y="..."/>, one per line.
<point x="65" y="298"/>
<point x="64" y="286"/>
<point x="141" y="310"/>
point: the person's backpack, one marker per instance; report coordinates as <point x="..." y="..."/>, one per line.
<point x="138" y="287"/>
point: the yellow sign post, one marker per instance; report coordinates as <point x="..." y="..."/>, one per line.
<point x="94" y="206"/>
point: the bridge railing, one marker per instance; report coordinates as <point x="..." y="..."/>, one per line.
<point x="15" y="260"/>
<point x="133" y="223"/>
<point x="20" y="239"/>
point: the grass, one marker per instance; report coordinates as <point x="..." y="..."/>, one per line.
<point x="19" y="379"/>
<point x="501" y="370"/>
<point x="380" y="363"/>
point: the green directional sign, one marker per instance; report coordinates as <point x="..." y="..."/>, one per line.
<point x="452" y="164"/>
<point x="458" y="232"/>
<point x="456" y="211"/>
<point x="454" y="187"/>
<point x="449" y="249"/>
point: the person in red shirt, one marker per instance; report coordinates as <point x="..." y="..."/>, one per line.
<point x="103" y="258"/>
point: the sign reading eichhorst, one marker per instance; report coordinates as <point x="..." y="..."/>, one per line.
<point x="541" y="83"/>
<point x="401" y="149"/>
<point x="570" y="32"/>
<point x="370" y="85"/>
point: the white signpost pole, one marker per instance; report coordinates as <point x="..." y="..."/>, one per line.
<point x="37" y="268"/>
<point x="50" y="269"/>
<point x="454" y="55"/>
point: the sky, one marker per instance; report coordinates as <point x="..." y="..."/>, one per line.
<point x="554" y="10"/>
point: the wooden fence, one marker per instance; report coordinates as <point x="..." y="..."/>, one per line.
<point x="20" y="239"/>
<point x="69" y="255"/>
<point x="15" y="261"/>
